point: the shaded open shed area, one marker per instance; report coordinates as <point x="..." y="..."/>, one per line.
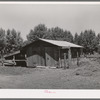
<point x="17" y="57"/>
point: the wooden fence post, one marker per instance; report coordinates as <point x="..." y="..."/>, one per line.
<point x="77" y="58"/>
<point x="2" y="60"/>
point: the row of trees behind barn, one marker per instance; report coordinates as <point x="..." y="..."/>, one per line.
<point x="11" y="40"/>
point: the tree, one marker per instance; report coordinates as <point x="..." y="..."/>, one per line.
<point x="98" y="42"/>
<point x="41" y="31"/>
<point x="68" y="36"/>
<point x="38" y="32"/>
<point x="26" y="42"/>
<point x="13" y="41"/>
<point x="98" y="38"/>
<point x="59" y="34"/>
<point x="88" y="40"/>
<point x="54" y="34"/>
<point x="81" y="39"/>
<point x="76" y="38"/>
<point x="2" y="41"/>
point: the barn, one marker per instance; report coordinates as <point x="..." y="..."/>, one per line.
<point x="44" y="52"/>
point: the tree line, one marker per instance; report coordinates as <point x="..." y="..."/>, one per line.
<point x="11" y="40"/>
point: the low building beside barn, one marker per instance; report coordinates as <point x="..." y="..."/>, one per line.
<point x="54" y="53"/>
<point x="18" y="57"/>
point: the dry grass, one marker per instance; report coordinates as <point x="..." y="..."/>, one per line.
<point x="5" y="70"/>
<point x="86" y="76"/>
<point x="88" y="67"/>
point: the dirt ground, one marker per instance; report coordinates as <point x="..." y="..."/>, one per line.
<point x="86" y="76"/>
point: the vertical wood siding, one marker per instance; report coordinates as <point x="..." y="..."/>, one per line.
<point x="52" y="56"/>
<point x="35" y="56"/>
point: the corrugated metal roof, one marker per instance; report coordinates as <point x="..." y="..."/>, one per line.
<point x="63" y="44"/>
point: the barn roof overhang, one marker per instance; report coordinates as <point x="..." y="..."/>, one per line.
<point x="71" y="47"/>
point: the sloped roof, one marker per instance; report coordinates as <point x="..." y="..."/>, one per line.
<point x="63" y="44"/>
<point x="11" y="54"/>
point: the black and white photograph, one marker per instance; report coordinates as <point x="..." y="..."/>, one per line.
<point x="49" y="46"/>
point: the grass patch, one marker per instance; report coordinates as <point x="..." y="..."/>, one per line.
<point x="5" y="70"/>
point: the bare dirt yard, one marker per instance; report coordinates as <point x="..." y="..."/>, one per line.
<point x="86" y="76"/>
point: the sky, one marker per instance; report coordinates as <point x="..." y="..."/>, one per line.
<point x="72" y="17"/>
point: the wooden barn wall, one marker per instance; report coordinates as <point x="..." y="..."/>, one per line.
<point x="35" y="56"/>
<point x="52" y="56"/>
<point x="19" y="56"/>
<point x="41" y="54"/>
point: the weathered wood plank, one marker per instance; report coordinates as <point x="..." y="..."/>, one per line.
<point x="69" y="57"/>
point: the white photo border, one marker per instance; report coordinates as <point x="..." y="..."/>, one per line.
<point x="52" y="93"/>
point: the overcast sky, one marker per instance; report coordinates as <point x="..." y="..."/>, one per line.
<point x="75" y="18"/>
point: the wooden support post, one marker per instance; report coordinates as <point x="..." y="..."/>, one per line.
<point x="64" y="60"/>
<point x="25" y="56"/>
<point x="69" y="57"/>
<point x="81" y="52"/>
<point x="27" y="61"/>
<point x="59" y="59"/>
<point x="14" y="59"/>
